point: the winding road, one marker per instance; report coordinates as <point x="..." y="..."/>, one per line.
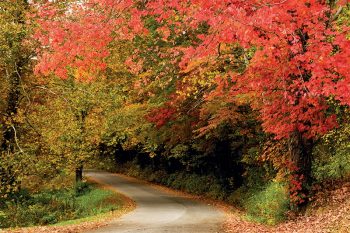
<point x="157" y="211"/>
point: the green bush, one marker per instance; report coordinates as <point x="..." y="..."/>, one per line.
<point x="171" y="179"/>
<point x="82" y="188"/>
<point x="268" y="205"/>
<point x="265" y="203"/>
<point x="216" y="191"/>
<point x="160" y="177"/>
<point x="332" y="155"/>
<point x="335" y="167"/>
<point x="178" y="180"/>
<point x="43" y="208"/>
<point x="208" y="186"/>
<point x="239" y="196"/>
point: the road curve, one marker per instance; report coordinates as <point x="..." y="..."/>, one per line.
<point x="157" y="211"/>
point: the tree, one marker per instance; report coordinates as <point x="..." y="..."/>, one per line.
<point x="15" y="54"/>
<point x="69" y="117"/>
<point x="75" y="36"/>
<point x="300" y="62"/>
<point x="295" y="57"/>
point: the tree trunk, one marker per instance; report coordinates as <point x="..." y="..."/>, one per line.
<point x="13" y="69"/>
<point x="8" y="179"/>
<point x="79" y="174"/>
<point x="9" y="137"/>
<point x="300" y="150"/>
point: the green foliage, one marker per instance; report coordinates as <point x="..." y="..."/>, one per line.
<point x="39" y="209"/>
<point x="255" y="179"/>
<point x="14" y="32"/>
<point x="50" y="207"/>
<point x="239" y="196"/>
<point x="207" y="185"/>
<point x="193" y="183"/>
<point x="344" y="16"/>
<point x="82" y="188"/>
<point x="269" y="204"/>
<point x="332" y="155"/>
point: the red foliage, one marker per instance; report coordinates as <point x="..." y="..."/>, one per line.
<point x="300" y="62"/>
<point x="76" y="37"/>
<point x="296" y="195"/>
<point x="296" y="181"/>
<point x="160" y="116"/>
<point x="300" y="59"/>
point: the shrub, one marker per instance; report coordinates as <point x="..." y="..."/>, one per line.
<point x="190" y="182"/>
<point x="332" y="155"/>
<point x="160" y="177"/>
<point x="178" y="180"/>
<point x="216" y="191"/>
<point x="82" y="188"/>
<point x="268" y="205"/>
<point x="196" y="184"/>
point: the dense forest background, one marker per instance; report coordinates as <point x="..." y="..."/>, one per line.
<point x="241" y="101"/>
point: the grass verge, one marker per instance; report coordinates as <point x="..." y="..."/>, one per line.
<point x="92" y="207"/>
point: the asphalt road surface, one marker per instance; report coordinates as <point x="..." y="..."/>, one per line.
<point x="157" y="211"/>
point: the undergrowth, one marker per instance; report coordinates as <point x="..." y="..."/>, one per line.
<point x="268" y="205"/>
<point x="53" y="206"/>
<point x="208" y="185"/>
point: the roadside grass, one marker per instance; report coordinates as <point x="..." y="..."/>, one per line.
<point x="90" y="202"/>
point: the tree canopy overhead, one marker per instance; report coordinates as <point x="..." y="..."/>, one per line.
<point x="228" y="82"/>
<point x="300" y="52"/>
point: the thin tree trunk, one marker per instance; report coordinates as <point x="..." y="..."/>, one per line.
<point x="79" y="169"/>
<point x="79" y="174"/>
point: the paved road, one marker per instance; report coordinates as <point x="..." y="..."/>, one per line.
<point x="157" y="211"/>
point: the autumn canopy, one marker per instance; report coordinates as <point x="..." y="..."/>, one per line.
<point x="237" y="99"/>
<point x="300" y="53"/>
